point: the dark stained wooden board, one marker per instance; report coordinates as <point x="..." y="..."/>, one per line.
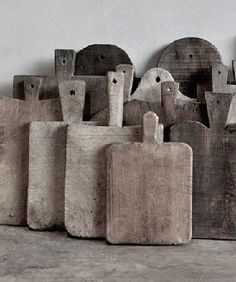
<point x="189" y="60"/>
<point x="214" y="168"/>
<point x="149" y="190"/>
<point x="98" y="59"/>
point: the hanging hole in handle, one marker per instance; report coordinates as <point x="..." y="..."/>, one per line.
<point x="219" y="72"/>
<point x="82" y="67"/>
<point x="32" y="85"/>
<point x="168" y="89"/>
<point x="64" y="62"/>
<point x="72" y="92"/>
<point x="190" y="56"/>
<point x="217" y="102"/>
<point x="158" y="79"/>
<point x="101" y="57"/>
<point x="124" y="71"/>
<point x="114" y="81"/>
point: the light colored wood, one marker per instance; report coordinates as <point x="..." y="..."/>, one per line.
<point x="149" y="190"/>
<point x="47" y="160"/>
<point x="85" y="188"/>
<point x="214" y="168"/>
<point x="14" y="143"/>
<point x="128" y="71"/>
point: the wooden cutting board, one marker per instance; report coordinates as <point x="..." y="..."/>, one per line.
<point x="214" y="167"/>
<point x="189" y="60"/>
<point x="155" y="88"/>
<point x="98" y="59"/>
<point x="47" y="160"/>
<point x="15" y="115"/>
<point x="149" y="190"/>
<point x="85" y="187"/>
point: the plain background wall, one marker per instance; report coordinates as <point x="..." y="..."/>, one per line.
<point x="31" y="29"/>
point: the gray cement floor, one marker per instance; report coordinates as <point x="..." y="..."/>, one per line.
<point x="45" y="256"/>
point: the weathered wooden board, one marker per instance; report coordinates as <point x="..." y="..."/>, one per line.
<point x="96" y="95"/>
<point x="47" y="160"/>
<point x="214" y="168"/>
<point x="155" y="87"/>
<point x="149" y="190"/>
<point x="98" y="59"/>
<point x="189" y="61"/>
<point x="85" y="188"/>
<point x="14" y="118"/>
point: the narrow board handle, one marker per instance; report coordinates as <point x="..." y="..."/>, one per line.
<point x="64" y="63"/>
<point x="169" y="91"/>
<point x="32" y="87"/>
<point x="150" y="125"/>
<point x="115" y="86"/>
<point x="72" y="96"/>
<point x="128" y="71"/>
<point x="219" y="78"/>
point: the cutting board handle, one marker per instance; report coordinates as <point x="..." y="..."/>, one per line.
<point x="218" y="106"/>
<point x="150" y="126"/>
<point x="64" y="63"/>
<point x="32" y="87"/>
<point x="115" y="87"/>
<point x="128" y="71"/>
<point x="72" y="96"/>
<point x="219" y="78"/>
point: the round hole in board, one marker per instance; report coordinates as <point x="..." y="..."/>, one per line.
<point x="124" y="71"/>
<point x="217" y="102"/>
<point x="64" y="62"/>
<point x="158" y="79"/>
<point x="190" y="56"/>
<point x="114" y="81"/>
<point x="219" y="72"/>
<point x="101" y="57"/>
<point x="32" y="86"/>
<point x="168" y="89"/>
<point x="72" y="92"/>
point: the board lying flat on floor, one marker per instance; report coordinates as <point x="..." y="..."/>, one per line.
<point x="214" y="168"/>
<point x="85" y="188"/>
<point x="47" y="160"/>
<point x="14" y="116"/>
<point x="149" y="190"/>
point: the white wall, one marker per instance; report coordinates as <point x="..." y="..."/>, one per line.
<point x="30" y="30"/>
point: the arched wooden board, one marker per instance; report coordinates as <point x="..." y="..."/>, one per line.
<point x="98" y="59"/>
<point x="189" y="60"/>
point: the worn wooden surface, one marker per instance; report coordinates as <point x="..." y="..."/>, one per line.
<point x="214" y="168"/>
<point x="85" y="189"/>
<point x="47" y="160"/>
<point x="154" y="88"/>
<point x="14" y="118"/>
<point x="98" y="59"/>
<point x="149" y="190"/>
<point x="189" y="61"/>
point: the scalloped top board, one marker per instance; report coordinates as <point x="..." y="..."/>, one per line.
<point x="214" y="167"/>
<point x="149" y="190"/>
<point x="98" y="59"/>
<point x="15" y="115"/>
<point x="189" y="60"/>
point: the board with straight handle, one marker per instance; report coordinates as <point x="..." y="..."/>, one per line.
<point x="47" y="156"/>
<point x="149" y="190"/>
<point x="85" y="186"/>
<point x="214" y="167"/>
<point x="15" y="115"/>
<point x="155" y="88"/>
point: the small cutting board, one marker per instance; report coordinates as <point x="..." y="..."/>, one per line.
<point x="15" y="115"/>
<point x="85" y="187"/>
<point x="149" y="190"/>
<point x="47" y="160"/>
<point x="189" y="60"/>
<point x="214" y="167"/>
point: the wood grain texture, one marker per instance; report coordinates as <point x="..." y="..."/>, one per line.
<point x="150" y="95"/>
<point x="85" y="188"/>
<point x="47" y="160"/>
<point x="98" y="59"/>
<point x="189" y="60"/>
<point x="214" y="168"/>
<point x="149" y="191"/>
<point x="14" y="116"/>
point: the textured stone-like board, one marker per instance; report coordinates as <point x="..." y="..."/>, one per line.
<point x="47" y="161"/>
<point x="189" y="60"/>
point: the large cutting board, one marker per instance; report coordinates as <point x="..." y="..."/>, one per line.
<point x="149" y="190"/>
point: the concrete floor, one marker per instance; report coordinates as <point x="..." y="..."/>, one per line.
<point x="53" y="257"/>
